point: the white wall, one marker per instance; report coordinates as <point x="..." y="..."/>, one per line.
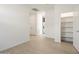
<point x="49" y="24"/>
<point x="76" y="27"/>
<point x="14" y="28"/>
<point x="57" y="24"/>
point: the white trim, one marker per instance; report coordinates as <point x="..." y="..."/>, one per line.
<point x="68" y="14"/>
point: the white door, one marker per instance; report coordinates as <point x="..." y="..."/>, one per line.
<point x="76" y="28"/>
<point x="33" y="24"/>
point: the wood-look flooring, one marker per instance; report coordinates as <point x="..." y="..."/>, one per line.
<point x="42" y="45"/>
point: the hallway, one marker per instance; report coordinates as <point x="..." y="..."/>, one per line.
<point x="41" y="45"/>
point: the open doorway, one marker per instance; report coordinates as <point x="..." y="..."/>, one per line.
<point x="41" y="23"/>
<point x="67" y="27"/>
<point x="37" y="23"/>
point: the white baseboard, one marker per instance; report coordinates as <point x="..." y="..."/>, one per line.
<point x="11" y="46"/>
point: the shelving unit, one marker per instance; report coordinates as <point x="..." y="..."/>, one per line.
<point x="67" y="28"/>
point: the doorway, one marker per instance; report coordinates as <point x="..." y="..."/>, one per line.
<point x="43" y="25"/>
<point x="67" y="27"/>
<point x="37" y="23"/>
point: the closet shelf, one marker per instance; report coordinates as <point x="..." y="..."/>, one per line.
<point x="66" y="27"/>
<point x="66" y="22"/>
<point x="67" y="32"/>
<point x="66" y="17"/>
<point x="67" y="37"/>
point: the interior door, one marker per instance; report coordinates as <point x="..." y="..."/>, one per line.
<point x="33" y="29"/>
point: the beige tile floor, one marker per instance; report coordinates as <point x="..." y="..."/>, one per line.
<point x="42" y="45"/>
